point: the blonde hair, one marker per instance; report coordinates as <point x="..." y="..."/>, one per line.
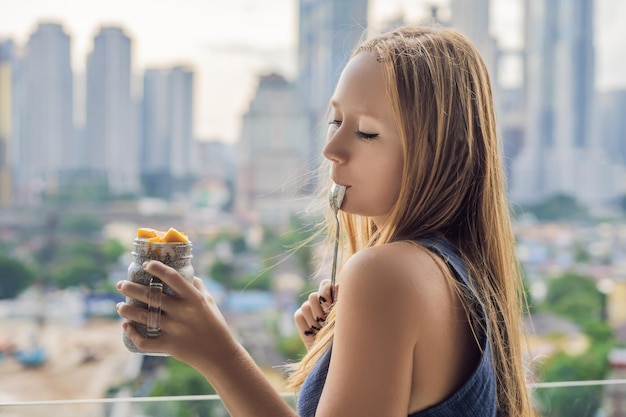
<point x="453" y="186"/>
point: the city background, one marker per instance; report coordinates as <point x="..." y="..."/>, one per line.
<point x="219" y="134"/>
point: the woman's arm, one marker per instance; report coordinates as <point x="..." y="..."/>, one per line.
<point x="194" y="331"/>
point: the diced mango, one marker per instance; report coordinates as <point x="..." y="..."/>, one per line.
<point x="153" y="235"/>
<point x="146" y="233"/>
<point x="174" y="235"/>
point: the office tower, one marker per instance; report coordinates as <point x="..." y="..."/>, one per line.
<point x="560" y="155"/>
<point x="112" y="145"/>
<point x="6" y="116"/>
<point x="44" y="144"/>
<point x="167" y="128"/>
<point x="328" y="32"/>
<point x="272" y="154"/>
<point x="471" y="18"/>
<point x="612" y="124"/>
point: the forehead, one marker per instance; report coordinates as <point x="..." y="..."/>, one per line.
<point x="362" y="86"/>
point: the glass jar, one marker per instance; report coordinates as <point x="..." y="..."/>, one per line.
<point x="174" y="254"/>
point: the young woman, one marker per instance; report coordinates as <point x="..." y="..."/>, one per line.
<point x="427" y="319"/>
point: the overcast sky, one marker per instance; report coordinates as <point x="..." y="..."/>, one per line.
<point x="229" y="43"/>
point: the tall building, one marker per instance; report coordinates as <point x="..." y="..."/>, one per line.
<point x="561" y="155"/>
<point x="328" y="31"/>
<point x="167" y="125"/>
<point x="111" y="140"/>
<point x="272" y="154"/>
<point x="471" y="18"/>
<point x="44" y="146"/>
<point x="612" y="124"/>
<point x="6" y="116"/>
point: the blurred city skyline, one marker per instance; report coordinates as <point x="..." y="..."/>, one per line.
<point x="229" y="45"/>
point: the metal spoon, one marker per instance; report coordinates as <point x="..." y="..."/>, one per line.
<point x="337" y="193"/>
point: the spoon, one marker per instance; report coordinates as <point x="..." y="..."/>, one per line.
<point x="337" y="193"/>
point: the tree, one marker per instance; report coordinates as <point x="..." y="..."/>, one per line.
<point x="574" y="296"/>
<point x="82" y="224"/>
<point x="14" y="277"/>
<point x="181" y="379"/>
<point x="573" y="401"/>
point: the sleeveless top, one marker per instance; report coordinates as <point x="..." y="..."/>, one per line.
<point x="475" y="398"/>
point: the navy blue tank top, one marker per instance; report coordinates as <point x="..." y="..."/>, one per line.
<point x="475" y="398"/>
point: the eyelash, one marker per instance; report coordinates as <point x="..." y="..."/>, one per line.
<point x="361" y="135"/>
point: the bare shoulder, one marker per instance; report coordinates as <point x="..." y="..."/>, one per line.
<point x="394" y="267"/>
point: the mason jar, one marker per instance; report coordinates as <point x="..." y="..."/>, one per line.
<point x="174" y="254"/>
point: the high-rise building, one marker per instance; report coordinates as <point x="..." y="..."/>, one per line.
<point x="612" y="124"/>
<point x="561" y="155"/>
<point x="328" y="31"/>
<point x="6" y="116"/>
<point x="471" y="18"/>
<point x="111" y="140"/>
<point x="44" y="146"/>
<point x="272" y="154"/>
<point x="167" y="125"/>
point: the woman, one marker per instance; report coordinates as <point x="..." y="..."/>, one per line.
<point x="427" y="322"/>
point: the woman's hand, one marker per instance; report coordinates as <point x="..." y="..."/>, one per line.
<point x="193" y="329"/>
<point x="311" y="316"/>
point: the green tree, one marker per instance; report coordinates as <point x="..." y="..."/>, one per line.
<point x="558" y="207"/>
<point x="574" y="296"/>
<point x="14" y="277"/>
<point x="181" y="379"/>
<point x="112" y="250"/>
<point x="291" y="347"/>
<point x="81" y="224"/>
<point x="78" y="272"/>
<point x="223" y="272"/>
<point x="573" y="401"/>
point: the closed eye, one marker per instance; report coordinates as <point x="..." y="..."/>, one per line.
<point x="364" y="135"/>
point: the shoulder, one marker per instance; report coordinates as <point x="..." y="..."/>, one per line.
<point x="394" y="267"/>
<point x="407" y="284"/>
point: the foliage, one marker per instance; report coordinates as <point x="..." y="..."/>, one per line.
<point x="574" y="401"/>
<point x="575" y="297"/>
<point x="291" y="347"/>
<point x="81" y="224"/>
<point x="559" y="207"/>
<point x="14" y="277"/>
<point x="112" y="250"/>
<point x="223" y="272"/>
<point x="181" y="379"/>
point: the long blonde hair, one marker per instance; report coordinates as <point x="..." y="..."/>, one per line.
<point x="453" y="186"/>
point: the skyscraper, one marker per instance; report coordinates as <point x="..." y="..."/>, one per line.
<point x="560" y="153"/>
<point x="44" y="146"/>
<point x="272" y="154"/>
<point x="471" y="18"/>
<point x="6" y="116"/>
<point x="112" y="144"/>
<point x="328" y="32"/>
<point x="167" y="125"/>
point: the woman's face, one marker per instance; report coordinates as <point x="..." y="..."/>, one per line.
<point x="363" y="140"/>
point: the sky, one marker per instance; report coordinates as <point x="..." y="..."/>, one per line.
<point x="230" y="43"/>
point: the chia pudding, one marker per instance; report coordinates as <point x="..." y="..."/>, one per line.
<point x="174" y="254"/>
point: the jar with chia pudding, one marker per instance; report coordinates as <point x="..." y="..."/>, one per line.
<point x="174" y="254"/>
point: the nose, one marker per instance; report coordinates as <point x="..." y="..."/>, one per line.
<point x="334" y="151"/>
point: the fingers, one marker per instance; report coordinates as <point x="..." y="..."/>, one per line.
<point x="143" y="343"/>
<point x="312" y="314"/>
<point x="169" y="276"/>
<point x="325" y="297"/>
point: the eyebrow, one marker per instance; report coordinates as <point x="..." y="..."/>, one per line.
<point x="359" y="110"/>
